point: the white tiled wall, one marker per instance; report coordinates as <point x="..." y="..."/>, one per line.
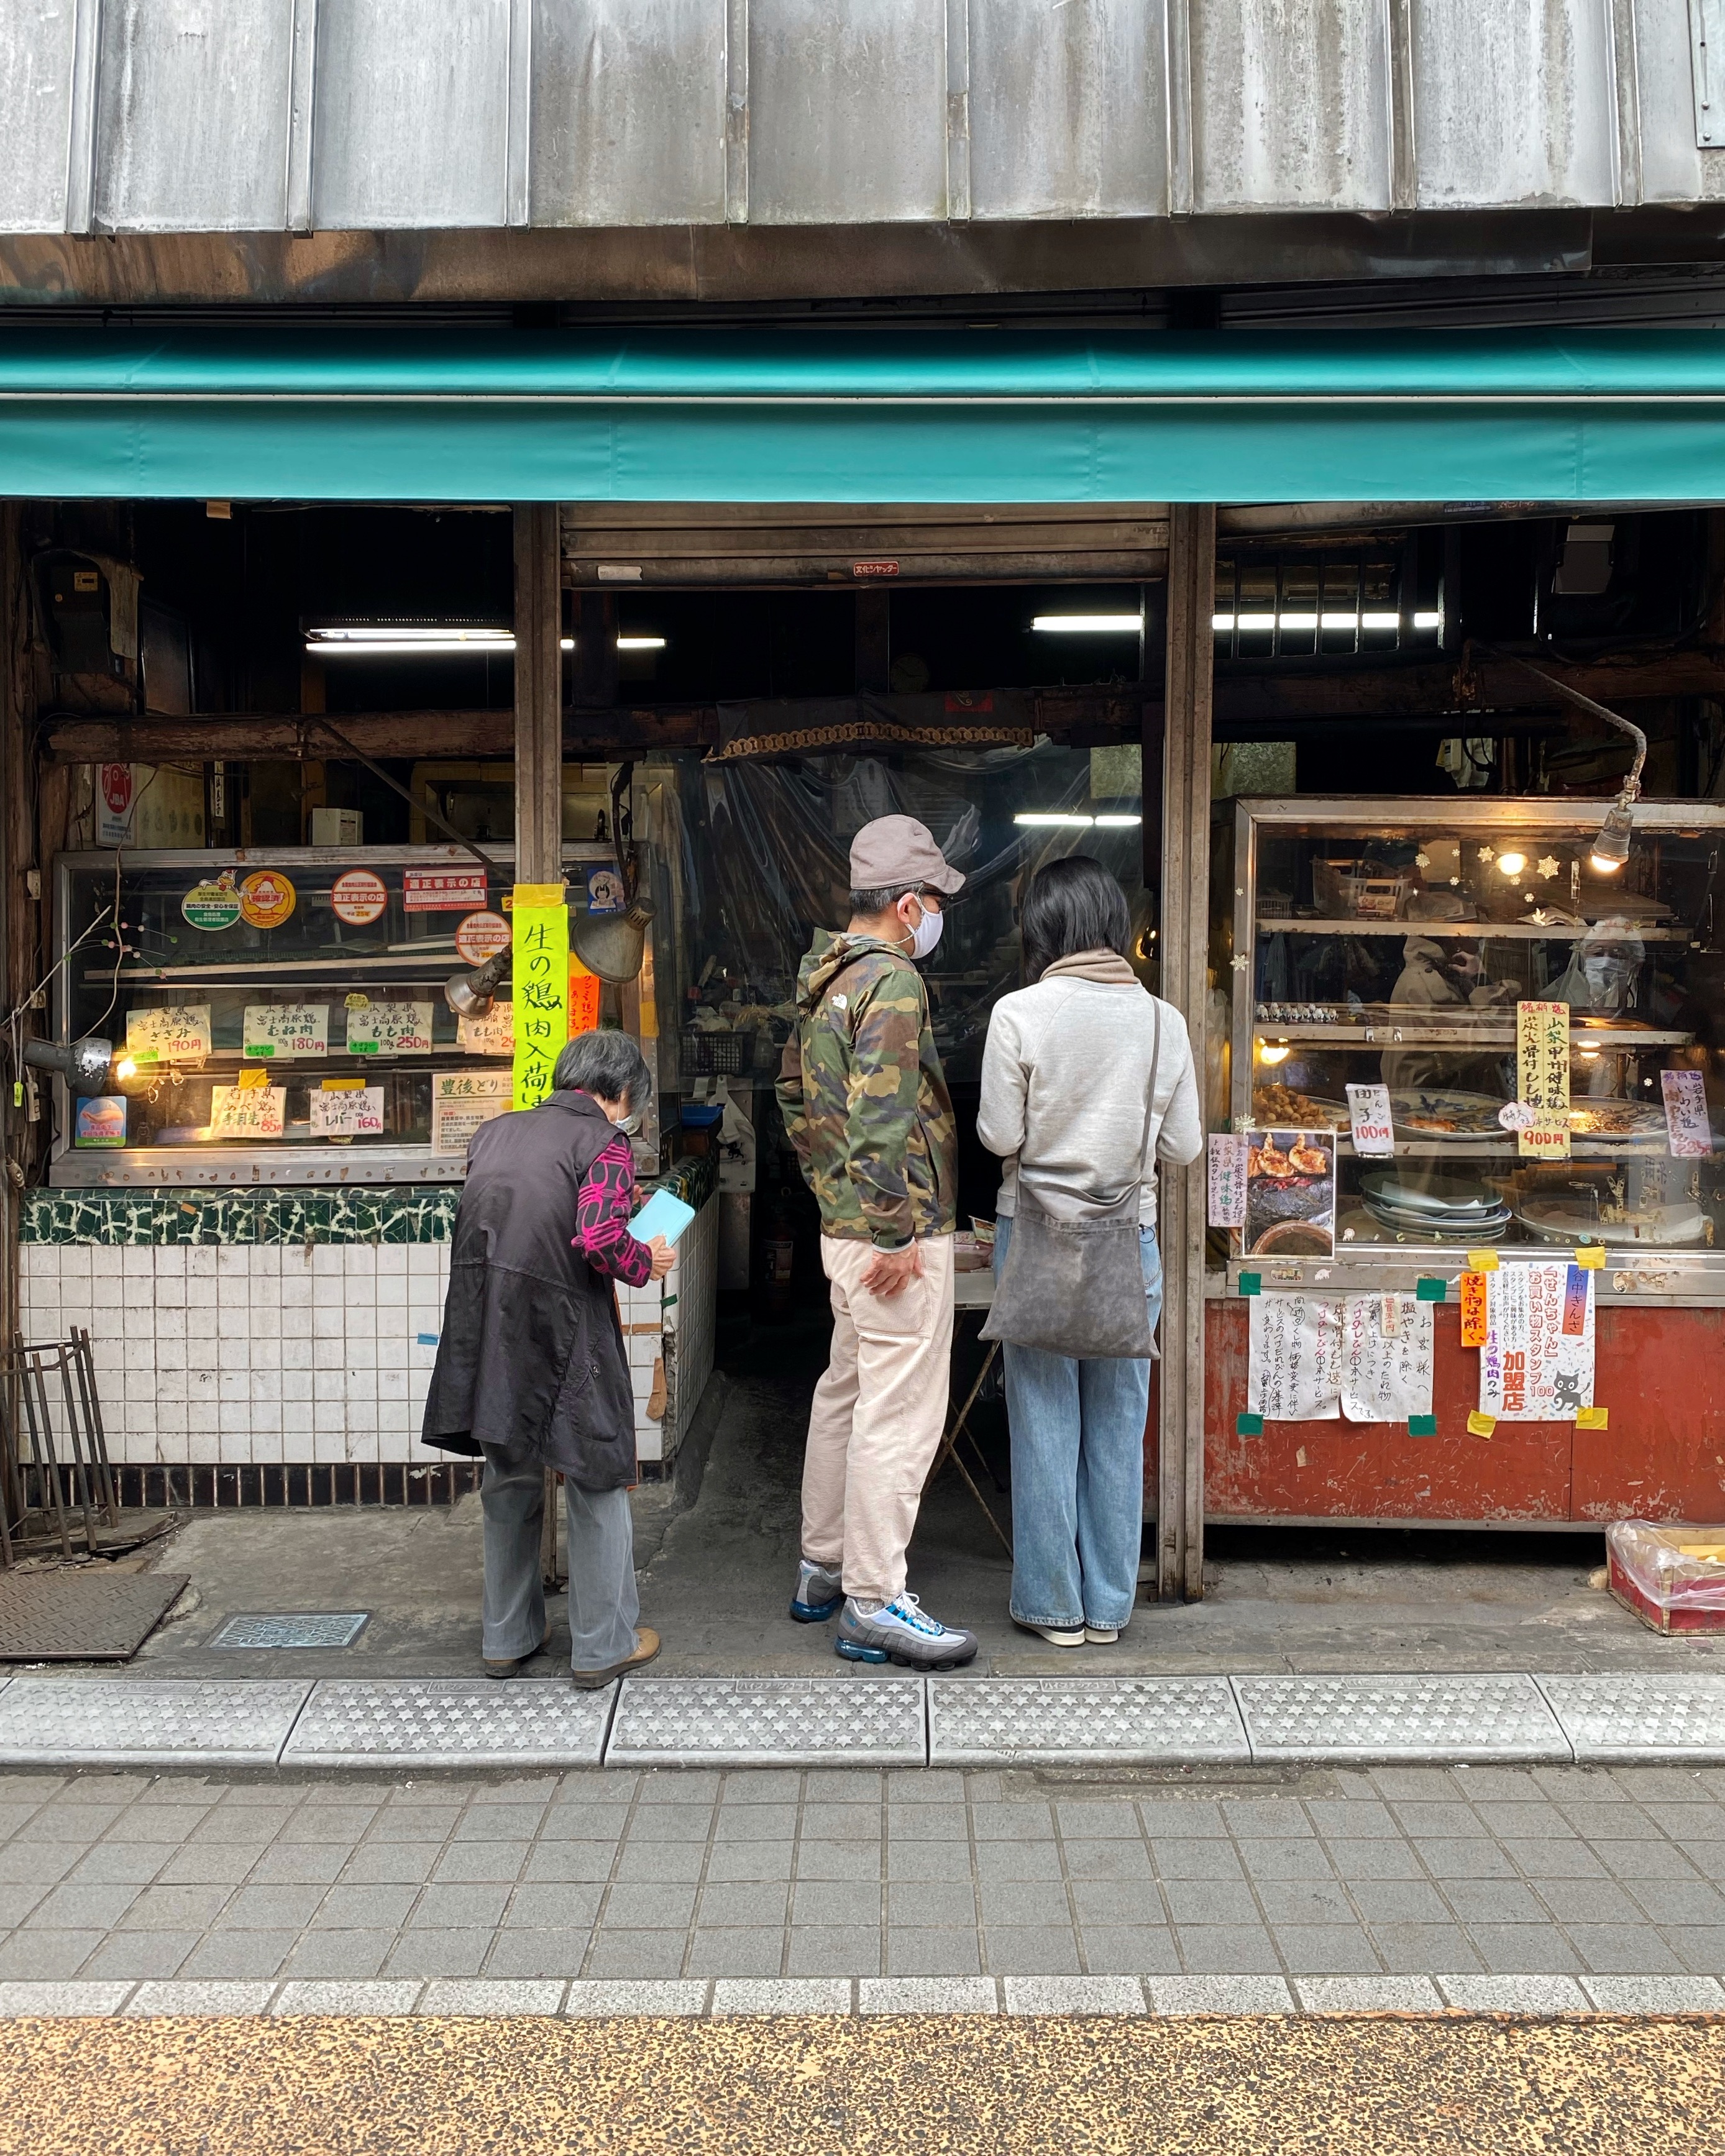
<point x="258" y="1354"/>
<point x="250" y="1353"/>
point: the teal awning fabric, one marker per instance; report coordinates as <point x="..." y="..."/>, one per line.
<point x="861" y="415"/>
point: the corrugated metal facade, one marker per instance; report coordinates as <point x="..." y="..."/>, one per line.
<point x="285" y="116"/>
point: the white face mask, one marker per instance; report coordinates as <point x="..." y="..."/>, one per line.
<point x="927" y="933"/>
<point x="629" y="1125"/>
<point x="1604" y="975"/>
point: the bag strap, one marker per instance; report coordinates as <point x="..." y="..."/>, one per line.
<point x="1150" y="1092"/>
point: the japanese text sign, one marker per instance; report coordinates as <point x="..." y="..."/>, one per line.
<point x="1536" y="1363"/>
<point x="1542" y="1079"/>
<point x="1473" y="1310"/>
<point x="389" y="1028"/>
<point x="1688" y="1131"/>
<point x="541" y="974"/>
<point x="461" y="1100"/>
<point x="177" y="1033"/>
<point x="247" y="1112"/>
<point x="280" y="1030"/>
<point x="352" y="1112"/>
<point x="1227" y="1179"/>
<point x="492" y="1033"/>
<point x="1368" y="1112"/>
<point x="442" y="891"/>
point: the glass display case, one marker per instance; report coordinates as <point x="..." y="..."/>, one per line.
<point x="279" y="1015"/>
<point x="1393" y="943"/>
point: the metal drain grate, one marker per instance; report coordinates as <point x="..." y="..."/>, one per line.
<point x="295" y="1628"/>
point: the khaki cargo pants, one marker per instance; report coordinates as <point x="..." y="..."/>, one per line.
<point x="878" y="1413"/>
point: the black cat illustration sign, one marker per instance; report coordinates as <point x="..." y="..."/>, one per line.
<point x="1537" y="1364"/>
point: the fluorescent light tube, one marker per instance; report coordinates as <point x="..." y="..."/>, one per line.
<point x="1087" y="624"/>
<point x="1054" y="816"/>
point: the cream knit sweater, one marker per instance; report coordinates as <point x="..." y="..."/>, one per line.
<point x="1064" y="1076"/>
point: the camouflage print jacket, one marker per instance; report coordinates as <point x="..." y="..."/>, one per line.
<point x="862" y="1098"/>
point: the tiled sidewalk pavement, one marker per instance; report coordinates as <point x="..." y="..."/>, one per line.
<point x="600" y="1874"/>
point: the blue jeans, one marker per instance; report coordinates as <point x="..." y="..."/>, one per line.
<point x="1077" y="1473"/>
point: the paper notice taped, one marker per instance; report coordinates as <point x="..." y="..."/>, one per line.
<point x="1386" y="1366"/>
<point x="1531" y="1368"/>
<point x="1688" y="1131"/>
<point x="1227" y="1179"/>
<point x="1294" y="1374"/>
<point x="1369" y="1114"/>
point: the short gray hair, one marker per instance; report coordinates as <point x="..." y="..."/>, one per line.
<point x="873" y="901"/>
<point x="605" y="1063"/>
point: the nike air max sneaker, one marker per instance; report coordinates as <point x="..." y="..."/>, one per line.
<point x="818" y="1594"/>
<point x="902" y="1632"/>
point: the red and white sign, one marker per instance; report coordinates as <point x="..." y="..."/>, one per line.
<point x="482" y="936"/>
<point x="443" y="890"/>
<point x="115" y="790"/>
<point x="874" y="568"/>
<point x="358" y="897"/>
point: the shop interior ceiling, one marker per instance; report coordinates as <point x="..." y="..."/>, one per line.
<point x="803" y="623"/>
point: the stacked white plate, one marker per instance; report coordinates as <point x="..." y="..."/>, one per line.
<point x="1448" y="1208"/>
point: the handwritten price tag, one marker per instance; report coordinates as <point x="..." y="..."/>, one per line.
<point x="177" y="1033"/>
<point x="353" y="1113"/>
<point x="390" y="1030"/>
<point x="1688" y="1130"/>
<point x="283" y="1031"/>
<point x="247" y="1112"/>
<point x="1374" y="1130"/>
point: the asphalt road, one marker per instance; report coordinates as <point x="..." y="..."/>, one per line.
<point x="905" y="2087"/>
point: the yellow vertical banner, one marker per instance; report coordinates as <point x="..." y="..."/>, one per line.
<point x="1543" y="1080"/>
<point x="539" y="966"/>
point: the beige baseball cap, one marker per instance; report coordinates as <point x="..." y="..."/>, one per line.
<point x="898" y="850"/>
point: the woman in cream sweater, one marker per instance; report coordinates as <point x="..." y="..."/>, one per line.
<point x="1064" y="1076"/>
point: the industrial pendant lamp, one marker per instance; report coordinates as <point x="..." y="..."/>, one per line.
<point x="84" y="1064"/>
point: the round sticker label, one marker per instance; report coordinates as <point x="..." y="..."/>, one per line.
<point x="481" y="935"/>
<point x="358" y="897"/>
<point x="267" y="898"/>
<point x="212" y="905"/>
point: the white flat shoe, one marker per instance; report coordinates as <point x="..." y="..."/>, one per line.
<point x="1057" y="1636"/>
<point x="1101" y="1636"/>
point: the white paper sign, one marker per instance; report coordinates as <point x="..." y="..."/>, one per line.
<point x="247" y="1112"/>
<point x="1538" y="1363"/>
<point x="389" y="1029"/>
<point x="1688" y="1131"/>
<point x="493" y="1035"/>
<point x="348" y="1112"/>
<point x="177" y="1033"/>
<point x="1294" y="1374"/>
<point x="1227" y="1179"/>
<point x="1374" y="1130"/>
<point x="1388" y="1345"/>
<point x="462" y="1099"/>
<point x="280" y="1031"/>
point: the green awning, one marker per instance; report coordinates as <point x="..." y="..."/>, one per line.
<point x="858" y="415"/>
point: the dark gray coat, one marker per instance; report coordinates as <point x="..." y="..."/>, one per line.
<point x="531" y="1360"/>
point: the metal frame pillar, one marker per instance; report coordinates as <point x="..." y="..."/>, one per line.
<point x="538" y="694"/>
<point x="1183" y="940"/>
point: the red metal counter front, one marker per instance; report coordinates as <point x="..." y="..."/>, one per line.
<point x="1660" y="1374"/>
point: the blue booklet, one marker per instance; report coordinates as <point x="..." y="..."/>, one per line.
<point x="662" y="1214"/>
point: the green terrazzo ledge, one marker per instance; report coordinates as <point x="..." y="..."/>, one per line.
<point x="408" y="1214"/>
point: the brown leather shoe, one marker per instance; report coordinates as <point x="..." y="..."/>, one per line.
<point x="508" y="1668"/>
<point x="646" y="1648"/>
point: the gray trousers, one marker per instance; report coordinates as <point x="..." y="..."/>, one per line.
<point x="603" y="1604"/>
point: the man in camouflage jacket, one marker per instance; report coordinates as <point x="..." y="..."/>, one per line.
<point x="866" y="1106"/>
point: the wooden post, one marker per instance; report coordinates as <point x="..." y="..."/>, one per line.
<point x="538" y="694"/>
<point x="1183" y="940"/>
<point x="539" y="767"/>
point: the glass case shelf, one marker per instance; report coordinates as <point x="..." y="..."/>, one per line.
<point x="1337" y="976"/>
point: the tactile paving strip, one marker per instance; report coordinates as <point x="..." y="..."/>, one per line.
<point x="1138" y="1720"/>
<point x="1641" y="1717"/>
<point x="299" y="1628"/>
<point x="453" y="1722"/>
<point x="769" y="1721"/>
<point x="141" y="1722"/>
<point x="1409" y="1717"/>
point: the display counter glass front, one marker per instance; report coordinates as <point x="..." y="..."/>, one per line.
<point x="1415" y="945"/>
<point x="278" y="1016"/>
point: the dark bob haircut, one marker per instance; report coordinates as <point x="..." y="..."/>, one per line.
<point x="1073" y="906"/>
<point x="606" y="1065"/>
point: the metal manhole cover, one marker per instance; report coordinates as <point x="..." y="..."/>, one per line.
<point x="88" y="1615"/>
<point x="293" y="1628"/>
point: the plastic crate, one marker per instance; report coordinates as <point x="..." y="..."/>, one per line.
<point x="718" y="1054"/>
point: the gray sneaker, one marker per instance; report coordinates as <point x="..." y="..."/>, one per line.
<point x="902" y="1632"/>
<point x="817" y="1594"/>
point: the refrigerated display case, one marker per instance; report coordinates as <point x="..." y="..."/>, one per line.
<point x="1391" y="943"/>
<point x="278" y="1016"/>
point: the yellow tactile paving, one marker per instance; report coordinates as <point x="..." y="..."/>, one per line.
<point x="1433" y="2086"/>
